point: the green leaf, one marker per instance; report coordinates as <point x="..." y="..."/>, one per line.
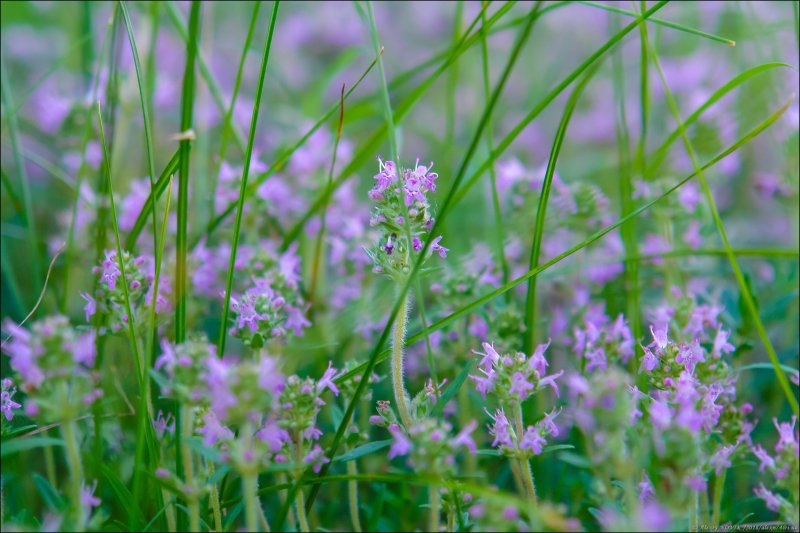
<point x="27" y="443"/>
<point x="209" y="453"/>
<point x="122" y="494"/>
<point x="453" y="388"/>
<point x="361" y="451"/>
<point x="48" y="493"/>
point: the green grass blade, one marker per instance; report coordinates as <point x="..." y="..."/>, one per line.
<point x="662" y="152"/>
<point x="498" y="215"/>
<point x="662" y="22"/>
<point x="541" y="210"/>
<point x="372" y="144"/>
<point x="205" y="73"/>
<point x="19" y="162"/>
<point x="627" y="231"/>
<point x="743" y="288"/>
<point x="226" y="121"/>
<point x="160" y="186"/>
<point x="16" y="203"/>
<point x="223" y="328"/>
<point x="552" y="95"/>
<point x="286" y="154"/>
<point x="184" y="149"/>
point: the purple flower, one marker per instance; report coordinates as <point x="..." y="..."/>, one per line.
<point x="532" y="440"/>
<point x="416" y="244"/>
<point x="110" y="269"/>
<point x="489" y="358"/>
<point x="7" y="404"/>
<point x="296" y="319"/>
<point x="547" y="426"/>
<point x="646" y="487"/>
<point x="551" y="380"/>
<point x="500" y="430"/>
<point x="764" y="457"/>
<point x="269" y="378"/>
<point x="660" y="336"/>
<point x="91" y="305"/>
<point x="163" y="425"/>
<point x="721" y="344"/>
<point x="326" y="381"/>
<point x="83" y="349"/>
<point x="537" y="360"/>
<point x="786" y="435"/>
<point x="484" y="384"/>
<point x="464" y="438"/>
<point x="660" y="414"/>
<point x="696" y="482"/>
<point x="689" y="355"/>
<point x="213" y="431"/>
<point x="248" y="316"/>
<point x="401" y="445"/>
<point x="88" y="499"/>
<point x="772" y="501"/>
<point x="649" y="360"/>
<point x="520" y="386"/>
<point x="317" y="458"/>
<point x="435" y="247"/>
<point x="721" y="459"/>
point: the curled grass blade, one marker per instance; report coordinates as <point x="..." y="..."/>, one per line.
<point x="541" y="210"/>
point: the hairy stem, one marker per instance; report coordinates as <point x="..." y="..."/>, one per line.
<point x="433" y="500"/>
<point x="214" y="497"/>
<point x="75" y="471"/>
<point x="249" y="489"/>
<point x="352" y="491"/>
<point x="299" y="500"/>
<point x="398" y="341"/>
<point x="525" y="466"/>
<point x="187" y="423"/>
<point x="719" y="484"/>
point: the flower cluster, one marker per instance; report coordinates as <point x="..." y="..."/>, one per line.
<point x="784" y="465"/>
<point x="402" y="213"/>
<point x="514" y="441"/>
<point x="110" y="295"/>
<point x="513" y="378"/>
<point x="429" y="444"/>
<point x="55" y="363"/>
<point x="599" y="342"/>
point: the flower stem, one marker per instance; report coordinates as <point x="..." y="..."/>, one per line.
<point x="525" y="465"/>
<point x="719" y="484"/>
<point x="249" y="494"/>
<point x="433" y="499"/>
<point x="187" y="421"/>
<point x="398" y="340"/>
<point x="352" y="489"/>
<point x="215" y="509"/>
<point x="76" y="472"/>
<point x="299" y="500"/>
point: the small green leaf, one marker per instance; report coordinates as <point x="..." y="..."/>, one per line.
<point x="48" y="493"/>
<point x="27" y="443"/>
<point x="361" y="451"/>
